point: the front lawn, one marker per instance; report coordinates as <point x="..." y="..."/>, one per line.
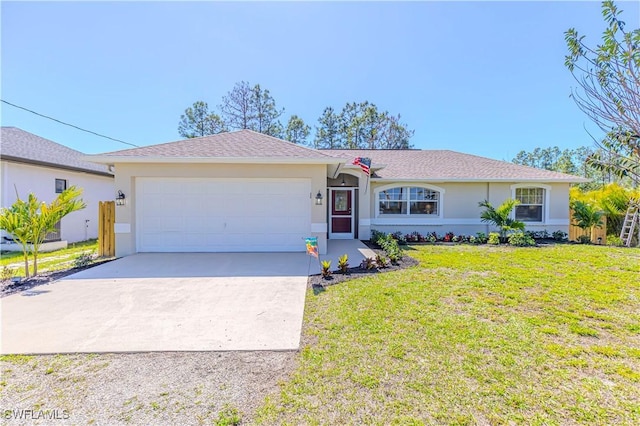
<point x="51" y="261"/>
<point x="474" y="335"/>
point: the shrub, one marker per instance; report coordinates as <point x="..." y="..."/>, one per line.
<point x="584" y="239"/>
<point x="432" y="238"/>
<point x="381" y="261"/>
<point x="520" y="239"/>
<point x="343" y="263"/>
<point x="391" y="247"/>
<point x="480" y="238"/>
<point x="494" y="238"/>
<point x="399" y="237"/>
<point x="326" y="268"/>
<point x="376" y="236"/>
<point x="83" y="259"/>
<point x="368" y="263"/>
<point x="614" y="240"/>
<point x="560" y="236"/>
<point x="7" y="273"/>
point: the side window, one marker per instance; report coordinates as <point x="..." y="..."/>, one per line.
<point x="531" y="204"/>
<point x="61" y="185"/>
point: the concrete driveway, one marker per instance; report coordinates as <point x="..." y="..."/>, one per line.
<point x="164" y="302"/>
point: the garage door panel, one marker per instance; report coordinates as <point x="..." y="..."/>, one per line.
<point x="184" y="214"/>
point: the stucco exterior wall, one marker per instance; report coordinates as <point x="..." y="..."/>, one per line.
<point x="460" y="213"/>
<point x="126" y="174"/>
<point x="27" y="178"/>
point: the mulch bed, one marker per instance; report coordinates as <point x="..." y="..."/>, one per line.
<point x="8" y="287"/>
<point x="317" y="282"/>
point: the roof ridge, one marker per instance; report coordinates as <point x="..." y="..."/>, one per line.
<point x="289" y="142"/>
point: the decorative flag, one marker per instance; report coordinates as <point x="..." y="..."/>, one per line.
<point x="312" y="246"/>
<point x="364" y="163"/>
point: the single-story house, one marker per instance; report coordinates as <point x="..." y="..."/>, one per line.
<point x="31" y="164"/>
<point x="245" y="191"/>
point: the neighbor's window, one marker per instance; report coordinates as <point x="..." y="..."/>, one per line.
<point x="531" y="204"/>
<point x="408" y="201"/>
<point x="61" y="185"/>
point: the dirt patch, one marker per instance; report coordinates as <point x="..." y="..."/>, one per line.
<point x="186" y="388"/>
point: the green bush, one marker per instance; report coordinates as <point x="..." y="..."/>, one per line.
<point x="520" y="239"/>
<point x="614" y="240"/>
<point x="480" y="238"/>
<point x="377" y="236"/>
<point x="494" y="238"/>
<point x="83" y="259"/>
<point x="390" y="245"/>
<point x="7" y="273"/>
<point x="584" y="239"/>
<point x="560" y="236"/>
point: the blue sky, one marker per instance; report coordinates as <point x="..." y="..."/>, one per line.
<point x="487" y="78"/>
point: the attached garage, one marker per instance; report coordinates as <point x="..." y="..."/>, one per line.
<point x="222" y="214"/>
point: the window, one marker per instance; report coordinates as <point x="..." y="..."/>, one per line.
<point x="408" y="201"/>
<point x="531" y="204"/>
<point x="61" y="185"/>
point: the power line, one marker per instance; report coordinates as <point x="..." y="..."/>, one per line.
<point x="67" y="124"/>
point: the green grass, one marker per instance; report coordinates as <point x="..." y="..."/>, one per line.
<point x="474" y="335"/>
<point x="51" y="261"/>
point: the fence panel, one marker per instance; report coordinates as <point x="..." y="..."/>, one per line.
<point x="106" y="234"/>
<point x="595" y="233"/>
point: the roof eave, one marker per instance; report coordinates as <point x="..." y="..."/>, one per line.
<point x="54" y="166"/>
<point x="476" y="180"/>
<point x="114" y="159"/>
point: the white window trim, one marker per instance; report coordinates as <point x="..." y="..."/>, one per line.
<point x="547" y="200"/>
<point x="408" y="218"/>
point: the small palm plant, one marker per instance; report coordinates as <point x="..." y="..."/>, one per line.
<point x="500" y="217"/>
<point x="343" y="263"/>
<point x="326" y="268"/>
<point x="586" y="217"/>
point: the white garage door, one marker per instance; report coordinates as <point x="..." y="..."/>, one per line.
<point x="222" y="215"/>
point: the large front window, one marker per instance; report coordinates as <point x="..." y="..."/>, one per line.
<point x="408" y="201"/>
<point x="531" y="204"/>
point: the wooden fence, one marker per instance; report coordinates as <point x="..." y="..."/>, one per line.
<point x="595" y="233"/>
<point x="106" y="234"/>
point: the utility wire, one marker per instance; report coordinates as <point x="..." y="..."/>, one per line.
<point x="67" y="124"/>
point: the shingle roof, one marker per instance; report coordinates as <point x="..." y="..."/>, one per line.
<point x="448" y="165"/>
<point x="238" y="144"/>
<point x="18" y="145"/>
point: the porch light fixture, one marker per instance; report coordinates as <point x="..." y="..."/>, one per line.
<point x="120" y="199"/>
<point x="343" y="183"/>
<point x="319" y="198"/>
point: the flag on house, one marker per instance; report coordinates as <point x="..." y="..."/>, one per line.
<point x="364" y="163"/>
<point x="312" y="246"/>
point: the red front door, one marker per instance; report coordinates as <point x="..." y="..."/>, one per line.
<point x="341" y="213"/>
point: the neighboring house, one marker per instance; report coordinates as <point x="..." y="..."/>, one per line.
<point x="245" y="191"/>
<point x="29" y="163"/>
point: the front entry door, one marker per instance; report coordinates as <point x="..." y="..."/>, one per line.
<point x="341" y="212"/>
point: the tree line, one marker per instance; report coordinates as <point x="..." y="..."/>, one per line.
<point x="359" y="125"/>
<point x="579" y="162"/>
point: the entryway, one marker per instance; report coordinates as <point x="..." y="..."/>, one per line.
<point x="341" y="213"/>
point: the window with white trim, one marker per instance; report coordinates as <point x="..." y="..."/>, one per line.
<point x="531" y="205"/>
<point x="408" y="200"/>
